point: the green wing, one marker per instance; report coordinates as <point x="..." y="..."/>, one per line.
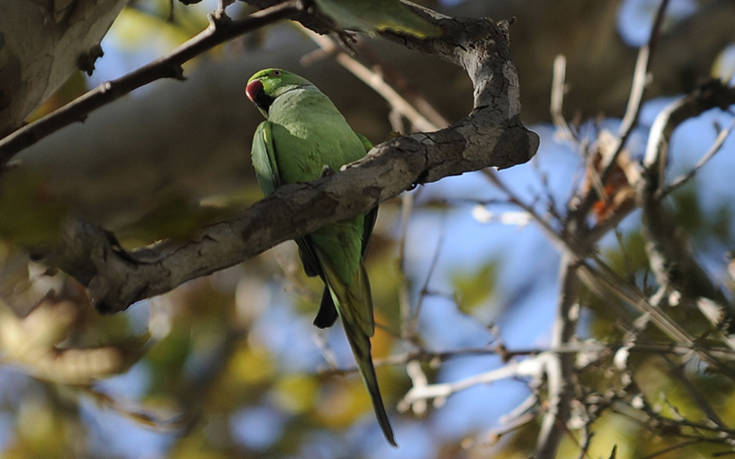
<point x="371" y="15"/>
<point x="365" y="142"/>
<point x="327" y="314"/>
<point x="371" y="216"/>
<point x="263" y="156"/>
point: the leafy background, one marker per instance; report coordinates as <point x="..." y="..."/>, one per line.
<point x="230" y="365"/>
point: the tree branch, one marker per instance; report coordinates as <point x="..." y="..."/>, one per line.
<point x="672" y="262"/>
<point x="559" y="368"/>
<point x="490" y="136"/>
<point x="632" y="110"/>
<point x="604" y="281"/>
<point x="531" y="367"/>
<point x="166" y="67"/>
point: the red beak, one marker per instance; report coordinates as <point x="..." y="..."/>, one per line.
<point x="253" y="88"/>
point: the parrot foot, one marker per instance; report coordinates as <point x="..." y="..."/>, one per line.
<point x="419" y="181"/>
<point x="347" y="40"/>
<point x="220" y="17"/>
<point x="327" y="171"/>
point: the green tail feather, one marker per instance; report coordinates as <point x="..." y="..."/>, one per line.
<point x="355" y="306"/>
<point x="360" y="345"/>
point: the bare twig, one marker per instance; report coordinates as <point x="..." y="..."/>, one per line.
<point x="558" y="88"/>
<point x="638" y="87"/>
<point x="154" y="419"/>
<point x="671" y="260"/>
<point x="694" y="392"/>
<point x="531" y="367"/>
<point x="493" y="437"/>
<point x="584" y="445"/>
<point x="612" y="283"/>
<point x="647" y="415"/>
<point x="546" y="225"/>
<point x="713" y="150"/>
<point x="602" y="278"/>
<point x="375" y="81"/>
<point x="412" y="326"/>
<point x="325" y="351"/>
<point x="165" y="67"/>
<point x="423" y="355"/>
<point x="404" y="294"/>
<point x="632" y="111"/>
<point x="668" y="449"/>
<point x="559" y="367"/>
<point x="418" y="380"/>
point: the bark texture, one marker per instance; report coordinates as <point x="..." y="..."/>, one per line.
<point x="42" y="43"/>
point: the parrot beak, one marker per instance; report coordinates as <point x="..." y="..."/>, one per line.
<point x="252" y="90"/>
<point x="256" y="93"/>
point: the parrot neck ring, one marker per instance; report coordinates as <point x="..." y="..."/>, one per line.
<point x="256" y="93"/>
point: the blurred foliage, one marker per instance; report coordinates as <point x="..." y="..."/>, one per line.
<point x="31" y="213"/>
<point x="75" y="85"/>
<point x="473" y="289"/>
<point x="230" y="366"/>
<point x="136" y="26"/>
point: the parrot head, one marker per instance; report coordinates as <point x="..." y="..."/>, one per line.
<point x="264" y="86"/>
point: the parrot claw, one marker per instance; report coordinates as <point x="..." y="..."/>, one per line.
<point x="220" y="17"/>
<point x="348" y="40"/>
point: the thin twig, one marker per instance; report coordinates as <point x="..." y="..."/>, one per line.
<point x="668" y="449"/>
<point x="558" y="88"/>
<point x="386" y="68"/>
<point x="155" y="420"/>
<point x="516" y="200"/>
<point x="647" y="415"/>
<point x="495" y="436"/>
<point x="507" y="354"/>
<point x="416" y="313"/>
<point x="559" y="367"/>
<point x="606" y="278"/>
<point x="375" y="81"/>
<point x="638" y="87"/>
<point x="165" y="67"/>
<point x="713" y="150"/>
<point x="672" y="262"/>
<point x="530" y="367"/>
<point x="694" y="393"/>
<point x="407" y="200"/>
<point x="584" y="445"/>
<point x="407" y="206"/>
<point x="633" y="108"/>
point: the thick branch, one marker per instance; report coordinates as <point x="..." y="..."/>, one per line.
<point x="671" y="260"/>
<point x="116" y="280"/>
<point x="42" y="45"/>
<point x="560" y="367"/>
<point x="490" y="136"/>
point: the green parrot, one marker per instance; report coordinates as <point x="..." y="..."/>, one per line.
<point x="371" y="15"/>
<point x="304" y="133"/>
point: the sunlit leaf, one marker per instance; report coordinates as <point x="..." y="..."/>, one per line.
<point x="474" y="287"/>
<point x="252" y="365"/>
<point x="295" y="393"/>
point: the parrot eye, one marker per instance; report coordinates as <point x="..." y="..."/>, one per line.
<point x="276" y="73"/>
